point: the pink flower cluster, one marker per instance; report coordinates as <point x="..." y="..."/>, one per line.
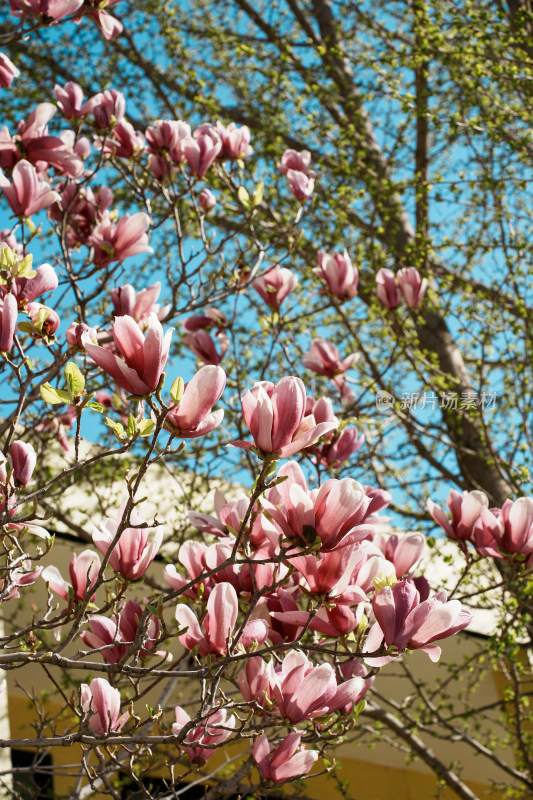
<point x="505" y="532"/>
<point x="407" y="283"/>
<point x="296" y="166"/>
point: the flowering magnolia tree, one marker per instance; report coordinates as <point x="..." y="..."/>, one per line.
<point x="168" y="294"/>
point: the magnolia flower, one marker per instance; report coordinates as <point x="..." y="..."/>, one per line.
<point x="142" y="358"/>
<point x="213" y="729"/>
<point x="301" y="185"/>
<point x="288" y="760"/>
<point x="275" y="285"/>
<point x="102" y="702"/>
<point x="275" y="416"/>
<point x="117" y="241"/>
<point x="27" y="194"/>
<point x="8" y="321"/>
<point x="298" y="161"/>
<point x="27" y="289"/>
<point x="193" y="417"/>
<point x="139" y="305"/>
<point x="405" y="622"/>
<point x="8" y="71"/>
<point x="465" y="508"/>
<point x="200" y="151"/>
<point x="135" y="549"/>
<point x="338" y="273"/>
<point x="23" y="460"/>
<point x="235" y="140"/>
<point x="222" y="611"/>
<point x="386" y="289"/>
<point x="411" y="286"/>
<point x="207" y="200"/>
<point x="83" y="570"/>
<point x="203" y="346"/>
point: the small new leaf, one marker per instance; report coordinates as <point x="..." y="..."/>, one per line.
<point x="176" y="390"/>
<point x="146" y="427"/>
<point x="75" y="380"/>
<point x="54" y="396"/>
<point x="243" y="196"/>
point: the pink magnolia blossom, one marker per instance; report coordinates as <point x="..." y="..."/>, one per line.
<point x="8" y="238"/>
<point x="23" y="460"/>
<point x="207" y="200"/>
<point x="27" y="194"/>
<point x="303" y="691"/>
<point x="26" y="290"/>
<point x="297" y="161"/>
<point x="210" y="318"/>
<point x="193" y="416"/>
<point x="235" y="140"/>
<point x="337" y="446"/>
<point x="387" y="289"/>
<point x="49" y="9"/>
<point x="110" y="26"/>
<point x="70" y="100"/>
<point x="82" y="209"/>
<point x="345" y="444"/>
<point x="108" y="108"/>
<point x="220" y="620"/>
<point x="331" y="574"/>
<point x="8" y="321"/>
<point x="135" y="550"/>
<point x="275" y="416"/>
<point x="165" y="140"/>
<point x="124" y="141"/>
<point x="74" y="334"/>
<point x="83" y="570"/>
<point x="200" y="151"/>
<point x="20" y="574"/>
<point x="301" y="185"/>
<point x="323" y="358"/>
<point x="405" y="622"/>
<point x="334" y="512"/>
<point x="117" y="634"/>
<point x="201" y="741"/>
<point x="338" y="273"/>
<point x="8" y="71"/>
<point x="139" y="305"/>
<point x="117" y="241"/>
<point x="403" y="550"/>
<point x="102" y="702"/>
<point x="45" y="319"/>
<point x="288" y="760"/>
<point x="141" y="359"/>
<point x="275" y="285"/>
<point x="411" y="286"/>
<point x="255" y="681"/>
<point x="465" y="508"/>
<point x="41" y="149"/>
<point x="104" y="633"/>
<point x="509" y="530"/>
<point x="204" y="347"/>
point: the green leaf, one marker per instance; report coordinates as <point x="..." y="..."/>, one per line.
<point x="54" y="396"/>
<point x="257" y="198"/>
<point x="146" y="427"/>
<point x="96" y="406"/>
<point x="75" y="380"/>
<point x="132" y="426"/>
<point x="176" y="390"/>
<point x="117" y="428"/>
<point x="243" y="196"/>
